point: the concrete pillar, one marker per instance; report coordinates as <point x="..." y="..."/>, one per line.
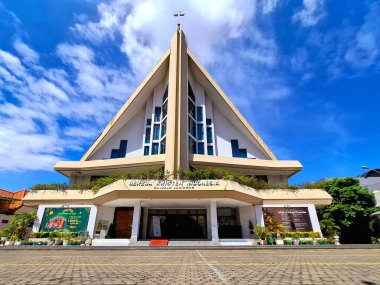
<point x="214" y="222"/>
<point x="136" y="221"/>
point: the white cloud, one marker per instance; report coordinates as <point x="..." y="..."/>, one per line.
<point x="146" y="27"/>
<point x="365" y="50"/>
<point x="312" y="12"/>
<point x="269" y="6"/>
<point x="28" y="54"/>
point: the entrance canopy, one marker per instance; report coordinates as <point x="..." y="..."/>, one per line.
<point x="179" y="189"/>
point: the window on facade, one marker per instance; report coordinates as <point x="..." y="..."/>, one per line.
<point x="165" y="95"/>
<point x="157" y="114"/>
<point x="148" y="122"/>
<point x="262" y="178"/>
<point x="208" y="122"/>
<point x="147" y="135"/>
<point x="163" y="128"/>
<point x="199" y="113"/>
<point x="236" y="151"/>
<point x="163" y="146"/>
<point x="201" y="148"/>
<point x="156" y="132"/>
<point x="210" y="150"/>
<point x="146" y="150"/>
<point x="226" y="216"/>
<point x="209" y="135"/>
<point x="121" y="152"/>
<point x="192" y="127"/>
<point x="4" y="221"/>
<point x="191" y="108"/>
<point x="199" y="131"/>
<point x="192" y="146"/>
<point x="164" y="109"/>
<point x="155" y="148"/>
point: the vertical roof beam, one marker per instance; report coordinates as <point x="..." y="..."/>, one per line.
<point x="177" y="151"/>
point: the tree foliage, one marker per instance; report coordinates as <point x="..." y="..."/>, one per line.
<point x="348" y="214"/>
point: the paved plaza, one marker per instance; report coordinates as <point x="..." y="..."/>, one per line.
<point x="305" y="266"/>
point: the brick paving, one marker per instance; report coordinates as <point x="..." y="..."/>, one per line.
<point x="323" y="266"/>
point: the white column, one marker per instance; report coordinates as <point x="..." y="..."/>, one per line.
<point x="136" y="221"/>
<point x="314" y="219"/>
<point x="214" y="222"/>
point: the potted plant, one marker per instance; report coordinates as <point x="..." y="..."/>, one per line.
<point x="261" y="233"/>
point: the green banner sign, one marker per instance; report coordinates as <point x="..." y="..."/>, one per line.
<point x="67" y="219"/>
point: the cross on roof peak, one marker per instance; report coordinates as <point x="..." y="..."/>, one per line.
<point x="179" y="14"/>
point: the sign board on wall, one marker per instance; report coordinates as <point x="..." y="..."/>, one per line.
<point x="177" y="184"/>
<point x="156" y="226"/>
<point x="68" y="219"/>
<point x="294" y="219"/>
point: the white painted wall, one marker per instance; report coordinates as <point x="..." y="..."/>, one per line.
<point x="247" y="214"/>
<point x="105" y="213"/>
<point x="91" y="219"/>
<point x="225" y="131"/>
<point x="132" y="131"/>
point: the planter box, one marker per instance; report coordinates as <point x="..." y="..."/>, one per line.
<point x="9" y="242"/>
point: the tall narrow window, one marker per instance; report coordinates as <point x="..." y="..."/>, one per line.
<point x="200" y="132"/>
<point x="192" y="127"/>
<point x="201" y="148"/>
<point x="208" y="122"/>
<point x="191" y="108"/>
<point x="156" y="132"/>
<point x="157" y="114"/>
<point x="163" y="146"/>
<point x="199" y="113"/>
<point x="192" y="146"/>
<point x="147" y="135"/>
<point x="236" y="151"/>
<point x="163" y="128"/>
<point x="146" y="150"/>
<point x="209" y="135"/>
<point x="165" y="95"/>
<point x="148" y="122"/>
<point x="155" y="148"/>
<point x="164" y="109"/>
<point x="210" y="150"/>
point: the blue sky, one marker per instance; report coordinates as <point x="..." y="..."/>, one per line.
<point x="304" y="73"/>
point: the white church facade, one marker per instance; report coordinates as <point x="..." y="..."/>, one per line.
<point x="178" y="118"/>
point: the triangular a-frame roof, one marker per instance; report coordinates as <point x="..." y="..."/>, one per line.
<point x="175" y="65"/>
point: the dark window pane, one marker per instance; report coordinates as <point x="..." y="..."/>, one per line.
<point x="148" y="122"/>
<point x="156" y="132"/>
<point x="210" y="150"/>
<point x="201" y="148"/>
<point x="235" y="148"/>
<point x="163" y="128"/>
<point x="147" y="135"/>
<point x="155" y="148"/>
<point x="165" y="95"/>
<point x="163" y="146"/>
<point x="115" y="153"/>
<point x="191" y="108"/>
<point x="236" y="151"/>
<point x="200" y="131"/>
<point x="192" y="146"/>
<point x="192" y="127"/>
<point x="164" y="109"/>
<point x="262" y="178"/>
<point x="209" y="135"/>
<point x="208" y="122"/>
<point x="123" y="148"/>
<point x="157" y="114"/>
<point x="146" y="150"/>
<point x="191" y="93"/>
<point x="199" y="113"/>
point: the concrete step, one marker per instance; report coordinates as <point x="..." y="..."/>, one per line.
<point x="190" y="243"/>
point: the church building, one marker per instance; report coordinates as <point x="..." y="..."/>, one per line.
<point x="178" y="118"/>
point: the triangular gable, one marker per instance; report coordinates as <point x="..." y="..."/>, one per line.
<point x="133" y="105"/>
<point x="218" y="96"/>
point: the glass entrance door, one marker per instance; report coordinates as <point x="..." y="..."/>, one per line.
<point x="177" y="223"/>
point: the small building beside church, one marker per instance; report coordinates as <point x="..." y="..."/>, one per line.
<point x="178" y="118"/>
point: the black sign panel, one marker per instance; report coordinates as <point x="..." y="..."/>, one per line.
<point x="294" y="219"/>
